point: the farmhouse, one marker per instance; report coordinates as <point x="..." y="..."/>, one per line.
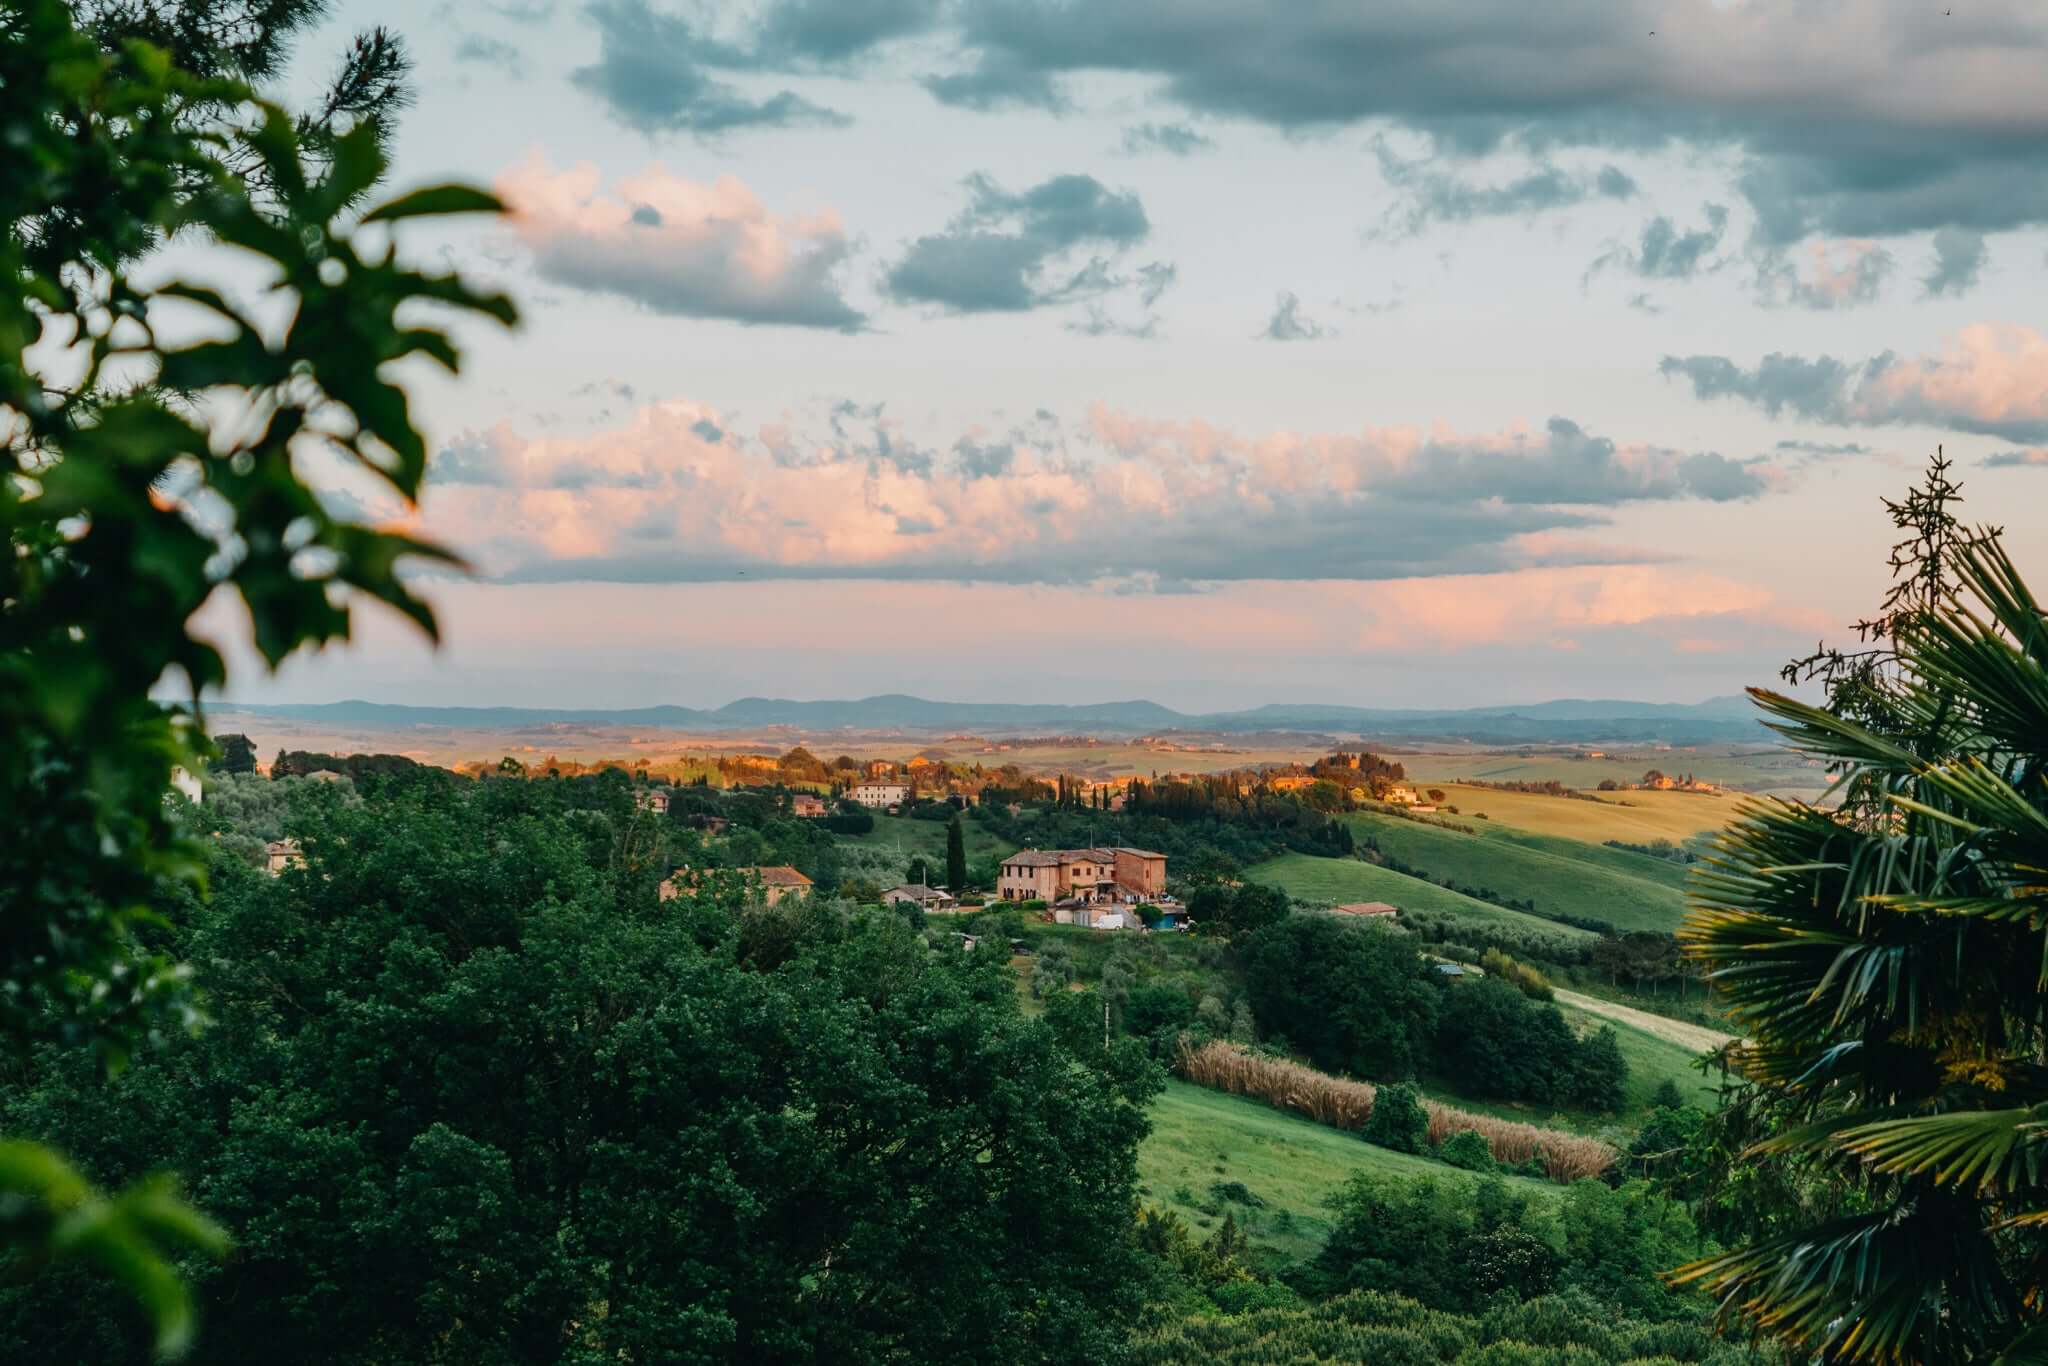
<point x="279" y="855"/>
<point x="1086" y="875"/>
<point x="879" y="795"/>
<point x="1402" y="796"/>
<point x="918" y="895"/>
<point x="653" y="799"/>
<point x="805" y="805"/>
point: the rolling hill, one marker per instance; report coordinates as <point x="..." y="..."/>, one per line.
<point x="1561" y="877"/>
<point x="1203" y="1140"/>
<point x="1309" y="878"/>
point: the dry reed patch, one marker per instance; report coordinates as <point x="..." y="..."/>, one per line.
<point x="1346" y="1105"/>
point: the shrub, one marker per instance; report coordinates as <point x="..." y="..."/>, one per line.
<point x="1468" y="1150"/>
<point x="1354" y="998"/>
<point x="1397" y="1119"/>
<point x="1157" y="1006"/>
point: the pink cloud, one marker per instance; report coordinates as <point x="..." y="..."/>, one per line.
<point x="676" y="494"/>
<point x="1993" y="373"/>
<point x="681" y="246"/>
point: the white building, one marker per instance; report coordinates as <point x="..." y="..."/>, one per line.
<point x="881" y="795"/>
<point x="186" y="783"/>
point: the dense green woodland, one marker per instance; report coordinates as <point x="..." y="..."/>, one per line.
<point x="472" y="1093"/>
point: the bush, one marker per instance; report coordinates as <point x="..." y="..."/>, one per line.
<point x="1152" y="1008"/>
<point x="1493" y="1041"/>
<point x="1468" y="1150"/>
<point x="1397" y="1120"/>
<point x="1354" y="998"/>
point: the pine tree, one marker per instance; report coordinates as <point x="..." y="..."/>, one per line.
<point x="956" y="855"/>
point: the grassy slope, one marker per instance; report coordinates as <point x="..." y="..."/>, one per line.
<point x="1562" y="877"/>
<point x="1650" y="1060"/>
<point x="1201" y="1137"/>
<point x="1644" y="817"/>
<point x="929" y="838"/>
<point x="1341" y="879"/>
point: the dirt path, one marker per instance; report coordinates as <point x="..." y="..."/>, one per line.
<point x="1698" y="1038"/>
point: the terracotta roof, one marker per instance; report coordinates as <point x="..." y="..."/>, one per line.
<point x="1140" y="853"/>
<point x="1366" y="908"/>
<point x="919" y="892"/>
<point x="781" y="875"/>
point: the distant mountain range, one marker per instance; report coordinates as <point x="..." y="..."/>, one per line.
<point x="1719" y="719"/>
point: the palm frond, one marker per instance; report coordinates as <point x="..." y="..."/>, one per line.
<point x="1994" y="1150"/>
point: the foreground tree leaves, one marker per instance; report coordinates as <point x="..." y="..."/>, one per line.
<point x="138" y="478"/>
<point x="1889" y="962"/>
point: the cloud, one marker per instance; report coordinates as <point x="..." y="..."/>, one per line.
<point x="1840" y="275"/>
<point x="1431" y="195"/>
<point x="1013" y="252"/>
<point x="1862" y="119"/>
<point x="1174" y="139"/>
<point x="1821" y="450"/>
<point x="1117" y="499"/>
<point x="485" y="50"/>
<point x="1958" y="262"/>
<point x="998" y="82"/>
<point x="1991" y="379"/>
<point x="680" y="247"/>
<point x="1288" y="323"/>
<point x="836" y="31"/>
<point x="523" y="11"/>
<point x="2034" y="457"/>
<point x="653" y="75"/>
<point x="1662" y="252"/>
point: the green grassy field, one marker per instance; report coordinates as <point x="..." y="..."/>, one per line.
<point x="929" y="838"/>
<point x="1202" y="1138"/>
<point x="1561" y="876"/>
<point x="1309" y="878"/>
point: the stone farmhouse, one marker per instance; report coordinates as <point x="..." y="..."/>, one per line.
<point x="880" y="795"/>
<point x="919" y="895"/>
<point x="1085" y="875"/>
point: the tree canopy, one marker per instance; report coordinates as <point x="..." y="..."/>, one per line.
<point x="470" y="1083"/>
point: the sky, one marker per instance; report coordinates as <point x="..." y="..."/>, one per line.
<point x="1414" y="353"/>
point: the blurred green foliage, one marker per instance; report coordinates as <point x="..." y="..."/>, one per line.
<point x="153" y="440"/>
